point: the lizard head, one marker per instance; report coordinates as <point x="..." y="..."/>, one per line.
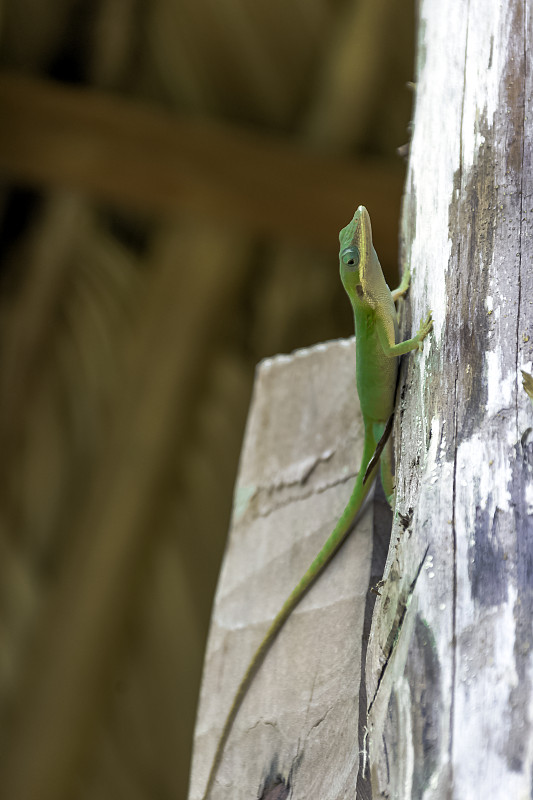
<point x="355" y="250"/>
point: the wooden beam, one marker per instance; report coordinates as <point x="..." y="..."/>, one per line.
<point x="143" y="158"/>
<point x="450" y="655"/>
<point x="298" y="725"/>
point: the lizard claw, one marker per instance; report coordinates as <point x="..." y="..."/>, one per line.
<point x="425" y="327"/>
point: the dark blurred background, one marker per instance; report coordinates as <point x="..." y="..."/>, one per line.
<point x="174" y="177"/>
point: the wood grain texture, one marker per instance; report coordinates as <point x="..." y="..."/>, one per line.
<point x="449" y="663"/>
<point x="298" y="726"/>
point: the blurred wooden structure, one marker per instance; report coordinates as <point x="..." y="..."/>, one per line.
<point x="299" y="724"/>
<point x="161" y="164"/>
<point x="168" y="218"/>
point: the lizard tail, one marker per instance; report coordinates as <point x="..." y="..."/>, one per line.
<point x="343" y="527"/>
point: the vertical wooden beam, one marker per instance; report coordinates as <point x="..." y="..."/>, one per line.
<point x="450" y="659"/>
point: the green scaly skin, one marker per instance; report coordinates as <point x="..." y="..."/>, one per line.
<point x="377" y="352"/>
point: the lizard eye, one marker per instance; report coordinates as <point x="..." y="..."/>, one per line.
<point x="350" y="257"/>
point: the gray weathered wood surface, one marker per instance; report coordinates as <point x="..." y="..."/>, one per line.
<point x="450" y="659"/>
<point x="298" y="725"/>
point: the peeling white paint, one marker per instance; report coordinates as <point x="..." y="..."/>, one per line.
<point x="483" y="24"/>
<point x="406" y="763"/>
<point x="529" y="499"/>
<point x="434" y="194"/>
<point x="492" y="676"/>
<point x="500" y="387"/>
<point x="475" y="467"/>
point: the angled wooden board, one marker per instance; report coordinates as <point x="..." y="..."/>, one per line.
<point x="298" y="725"/>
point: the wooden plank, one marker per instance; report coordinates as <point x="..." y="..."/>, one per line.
<point x="298" y="725"/>
<point x="450" y="658"/>
<point x="157" y="162"/>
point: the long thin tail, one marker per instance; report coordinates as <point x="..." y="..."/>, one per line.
<point x="332" y="544"/>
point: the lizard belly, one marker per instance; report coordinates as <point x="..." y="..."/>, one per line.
<point x="376" y="382"/>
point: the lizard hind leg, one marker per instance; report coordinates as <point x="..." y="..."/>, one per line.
<point x="402" y="289"/>
<point x="387" y="475"/>
<point x="398" y="295"/>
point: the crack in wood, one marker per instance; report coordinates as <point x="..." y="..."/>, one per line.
<point x="398" y="626"/>
<point x="262" y="491"/>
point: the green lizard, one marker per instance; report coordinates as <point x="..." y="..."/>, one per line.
<point x="377" y="351"/>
